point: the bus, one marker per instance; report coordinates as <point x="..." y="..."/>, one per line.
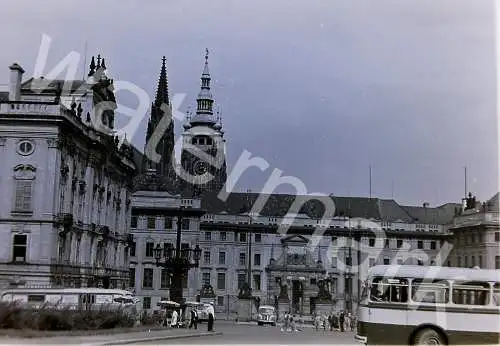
<point x="422" y="305"/>
<point x="71" y="298"/>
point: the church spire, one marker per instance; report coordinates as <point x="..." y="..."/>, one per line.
<point x="162" y="91"/>
<point x="205" y="99"/>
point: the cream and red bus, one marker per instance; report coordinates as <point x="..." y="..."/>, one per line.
<point x="422" y="305"/>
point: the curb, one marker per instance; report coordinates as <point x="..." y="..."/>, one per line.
<point x="156" y="338"/>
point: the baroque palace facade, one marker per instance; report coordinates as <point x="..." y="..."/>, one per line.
<point x="80" y="207"/>
<point x="277" y="244"/>
<point x="65" y="181"/>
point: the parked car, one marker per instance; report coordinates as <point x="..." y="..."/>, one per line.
<point x="266" y="315"/>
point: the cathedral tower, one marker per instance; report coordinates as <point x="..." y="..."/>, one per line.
<point x="203" y="157"/>
<point x="156" y="141"/>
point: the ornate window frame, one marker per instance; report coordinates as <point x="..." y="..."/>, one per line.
<point x="24" y="178"/>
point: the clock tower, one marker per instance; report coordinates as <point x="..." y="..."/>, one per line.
<point x="203" y="155"/>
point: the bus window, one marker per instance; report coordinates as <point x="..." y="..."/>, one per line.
<point x="471" y="293"/>
<point x="496" y="294"/>
<point x="36" y="298"/>
<point x="430" y="291"/>
<point x="389" y="290"/>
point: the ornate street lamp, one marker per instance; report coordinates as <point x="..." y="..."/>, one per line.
<point x="177" y="261"/>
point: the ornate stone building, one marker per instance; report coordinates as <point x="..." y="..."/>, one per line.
<point x="65" y="182"/>
<point x="476" y="240"/>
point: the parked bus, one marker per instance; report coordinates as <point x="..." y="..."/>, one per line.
<point x="419" y="305"/>
<point x="72" y="298"/>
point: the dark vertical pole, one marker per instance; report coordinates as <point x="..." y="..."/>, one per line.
<point x="178" y="272"/>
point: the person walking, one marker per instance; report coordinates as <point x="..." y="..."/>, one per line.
<point x="342" y="321"/>
<point x="194" y="319"/>
<point x="330" y="321"/>
<point x="211" y="318"/>
<point x="173" y="321"/>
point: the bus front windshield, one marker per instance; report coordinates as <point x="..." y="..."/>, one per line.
<point x="266" y="310"/>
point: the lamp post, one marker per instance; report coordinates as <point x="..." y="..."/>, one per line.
<point x="177" y="261"/>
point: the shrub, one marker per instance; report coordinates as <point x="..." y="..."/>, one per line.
<point x="54" y="318"/>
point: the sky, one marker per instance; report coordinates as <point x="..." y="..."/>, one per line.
<point x="320" y="89"/>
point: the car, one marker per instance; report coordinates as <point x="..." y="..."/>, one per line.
<point x="266" y="315"/>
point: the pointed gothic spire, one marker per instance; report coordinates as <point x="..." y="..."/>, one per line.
<point x="162" y="91"/>
<point x="92" y="67"/>
<point x="103" y="64"/>
<point x="98" y="60"/>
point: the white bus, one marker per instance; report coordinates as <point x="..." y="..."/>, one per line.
<point x="72" y="298"/>
<point x="419" y="305"/>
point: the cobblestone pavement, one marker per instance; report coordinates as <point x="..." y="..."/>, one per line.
<point x="156" y="336"/>
<point x="248" y="333"/>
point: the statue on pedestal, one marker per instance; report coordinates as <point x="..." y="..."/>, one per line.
<point x="245" y="291"/>
<point x="283" y="296"/>
<point x="323" y="294"/>
<point x="207" y="291"/>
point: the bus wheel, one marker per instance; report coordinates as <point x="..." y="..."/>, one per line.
<point x="429" y="336"/>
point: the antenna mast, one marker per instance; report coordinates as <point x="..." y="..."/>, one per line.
<point x="84" y="60"/>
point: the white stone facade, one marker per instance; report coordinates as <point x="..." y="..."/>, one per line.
<point x="65" y="202"/>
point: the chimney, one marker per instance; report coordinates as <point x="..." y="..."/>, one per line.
<point x="16" y="74"/>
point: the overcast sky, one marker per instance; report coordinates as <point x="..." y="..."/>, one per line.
<point x="319" y="89"/>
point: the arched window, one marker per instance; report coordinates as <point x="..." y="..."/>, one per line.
<point x="24" y="178"/>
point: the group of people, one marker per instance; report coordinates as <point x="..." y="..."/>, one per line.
<point x="341" y="321"/>
<point x="175" y="321"/>
<point x="289" y="323"/>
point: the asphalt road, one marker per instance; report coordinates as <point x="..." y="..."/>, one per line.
<point x="252" y="334"/>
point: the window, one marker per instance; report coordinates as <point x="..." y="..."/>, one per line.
<point x="208" y="236"/>
<point x="480" y="261"/>
<point x="466" y="261"/>
<point x="151" y="222"/>
<point x="146" y="303"/>
<point x="372" y="262"/>
<point x="334" y="241"/>
<point x="348" y="261"/>
<point x="420" y="262"/>
<point x="387" y="261"/>
<point x="185" y="224"/>
<point x="221" y="281"/>
<point x="496" y="294"/>
<point x="243" y="258"/>
<point x="399" y="243"/>
<point x="241" y="280"/>
<point x="497" y="262"/>
<point x="220" y="301"/>
<point x="168" y="223"/>
<point x="471" y="293"/>
<point x="430" y="291"/>
<point x="256" y="282"/>
<point x="19" y="248"/>
<point x="399" y="261"/>
<point x="420" y="244"/>
<point x="23" y="195"/>
<point x="256" y="259"/>
<point x="433" y="245"/>
<point x="206" y="279"/>
<point x="131" y="277"/>
<point x="258" y="237"/>
<point x="459" y="261"/>
<point x="473" y="261"/>
<point x="147" y="280"/>
<point x="36" y="298"/>
<point x="25" y="148"/>
<point x="132" y="249"/>
<point x="223" y="236"/>
<point x="472" y="239"/>
<point x="371" y="242"/>
<point x="334" y="262"/>
<point x="387" y="243"/>
<point x="222" y="258"/>
<point x="389" y="290"/>
<point x="164" y="278"/>
<point x="150" y="249"/>
<point x="243" y="237"/>
<point x="206" y="257"/>
<point x="133" y="222"/>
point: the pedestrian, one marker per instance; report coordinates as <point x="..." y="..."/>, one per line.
<point x="194" y="319"/>
<point x="342" y="321"/>
<point x="348" y="322"/>
<point x="173" y="321"/>
<point x="330" y="321"/>
<point x="211" y="317"/>
<point x="316" y="322"/>
<point x="324" y="322"/>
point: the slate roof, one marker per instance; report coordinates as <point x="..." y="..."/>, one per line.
<point x="278" y="205"/>
<point x="440" y="215"/>
<point x="53" y="86"/>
